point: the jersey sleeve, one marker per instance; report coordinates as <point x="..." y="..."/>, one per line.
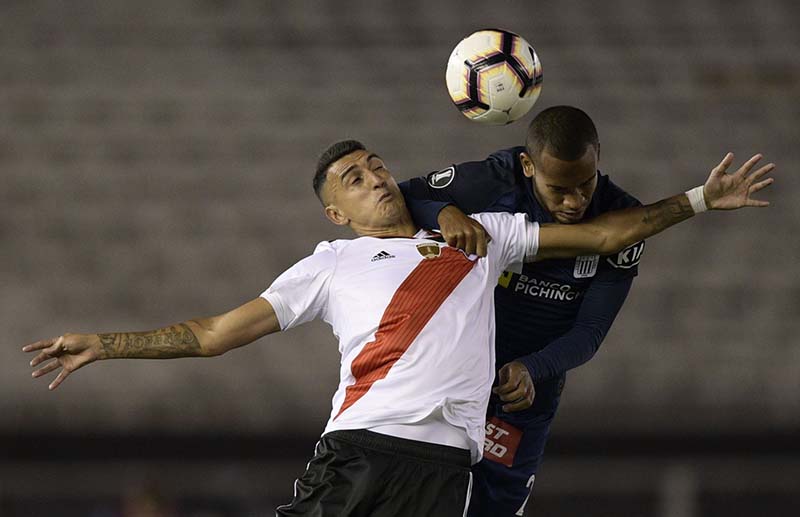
<point x="513" y="234"/>
<point x="471" y="186"/>
<point x="300" y="294"/>
<point x="599" y="308"/>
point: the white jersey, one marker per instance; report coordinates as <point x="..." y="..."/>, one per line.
<point x="415" y="322"/>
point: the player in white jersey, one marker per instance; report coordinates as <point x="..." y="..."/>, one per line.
<point x="414" y="319"/>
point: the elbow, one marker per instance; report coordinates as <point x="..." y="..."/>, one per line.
<point x="609" y="242"/>
<point x="210" y="350"/>
<point x="614" y="242"/>
<point x="205" y="334"/>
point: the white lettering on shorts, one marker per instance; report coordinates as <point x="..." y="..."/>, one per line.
<point x="501" y="442"/>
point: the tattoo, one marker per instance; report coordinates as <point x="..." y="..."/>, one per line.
<point x="664" y="214"/>
<point x="168" y="342"/>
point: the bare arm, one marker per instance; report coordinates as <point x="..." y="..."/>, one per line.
<point x="613" y="231"/>
<point x="203" y="337"/>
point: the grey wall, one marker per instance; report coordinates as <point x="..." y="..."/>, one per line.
<point x="156" y="163"/>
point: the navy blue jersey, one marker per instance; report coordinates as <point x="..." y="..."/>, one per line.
<point x="551" y="315"/>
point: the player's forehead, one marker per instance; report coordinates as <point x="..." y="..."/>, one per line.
<point x="350" y="161"/>
<point x="567" y="173"/>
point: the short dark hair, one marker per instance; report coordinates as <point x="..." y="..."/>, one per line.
<point x="331" y="154"/>
<point x="564" y="131"/>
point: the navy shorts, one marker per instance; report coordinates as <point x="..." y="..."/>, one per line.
<point x="504" y="478"/>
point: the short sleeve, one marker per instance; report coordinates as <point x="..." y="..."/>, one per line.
<point x="515" y="236"/>
<point x="300" y="294"/>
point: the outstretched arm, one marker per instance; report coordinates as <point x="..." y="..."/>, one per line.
<point x="203" y="337"/>
<point x="612" y="231"/>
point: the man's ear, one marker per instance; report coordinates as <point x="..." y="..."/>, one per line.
<point x="335" y="216"/>
<point x="528" y="168"/>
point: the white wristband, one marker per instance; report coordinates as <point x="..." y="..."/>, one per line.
<point x="697" y="200"/>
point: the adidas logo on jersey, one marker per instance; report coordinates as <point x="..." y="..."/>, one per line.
<point x="381" y="256"/>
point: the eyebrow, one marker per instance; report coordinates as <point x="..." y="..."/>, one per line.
<point x="353" y="166"/>
<point x="580" y="185"/>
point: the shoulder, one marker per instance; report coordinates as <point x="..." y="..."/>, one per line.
<point x="323" y="258"/>
<point x="507" y="159"/>
<point x="612" y="197"/>
<point x="497" y="171"/>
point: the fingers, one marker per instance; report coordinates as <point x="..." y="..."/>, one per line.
<point x="523" y="401"/>
<point x="471" y="239"/>
<point x="515" y="393"/>
<point x="748" y="165"/>
<point x="61" y="376"/>
<point x="723" y="165"/>
<point x="760" y="185"/>
<point x="755" y="188"/>
<point x="513" y="385"/>
<point x="55" y="349"/>
<point x="519" y="405"/>
<point x="469" y="243"/>
<point x="44" y="370"/>
<point x="761" y="172"/>
<point x="507" y="388"/>
<point x="503" y="376"/>
<point x="39" y="345"/>
<point x="483" y="240"/>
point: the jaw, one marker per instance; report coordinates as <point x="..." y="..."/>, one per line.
<point x="391" y="220"/>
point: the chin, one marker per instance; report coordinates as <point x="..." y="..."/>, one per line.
<point x="563" y="219"/>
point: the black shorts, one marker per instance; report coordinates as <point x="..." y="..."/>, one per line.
<point x="361" y="473"/>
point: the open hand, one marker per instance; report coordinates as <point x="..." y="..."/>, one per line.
<point x="462" y="232"/>
<point x="70" y="351"/>
<point x="724" y="191"/>
<point x="515" y="387"/>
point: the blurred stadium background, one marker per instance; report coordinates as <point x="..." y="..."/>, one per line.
<point x="156" y="162"/>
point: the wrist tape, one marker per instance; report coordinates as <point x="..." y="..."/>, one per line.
<point x="697" y="200"/>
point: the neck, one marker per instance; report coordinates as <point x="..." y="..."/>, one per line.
<point x="404" y="227"/>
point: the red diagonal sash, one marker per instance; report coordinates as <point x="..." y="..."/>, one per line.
<point x="411" y="307"/>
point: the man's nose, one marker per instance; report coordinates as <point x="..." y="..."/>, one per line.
<point x="376" y="180"/>
<point x="574" y="201"/>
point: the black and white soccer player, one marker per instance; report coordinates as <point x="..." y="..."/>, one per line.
<point x="551" y="315"/>
<point x="414" y="318"/>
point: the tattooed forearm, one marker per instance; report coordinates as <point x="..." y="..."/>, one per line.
<point x="175" y="341"/>
<point x="660" y="216"/>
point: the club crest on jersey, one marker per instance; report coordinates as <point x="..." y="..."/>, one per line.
<point x="428" y="250"/>
<point x="586" y="266"/>
<point x="627" y="258"/>
<point x="442" y="178"/>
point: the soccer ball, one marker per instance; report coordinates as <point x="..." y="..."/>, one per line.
<point x="494" y="76"/>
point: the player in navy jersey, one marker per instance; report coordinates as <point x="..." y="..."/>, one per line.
<point x="551" y="316"/>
